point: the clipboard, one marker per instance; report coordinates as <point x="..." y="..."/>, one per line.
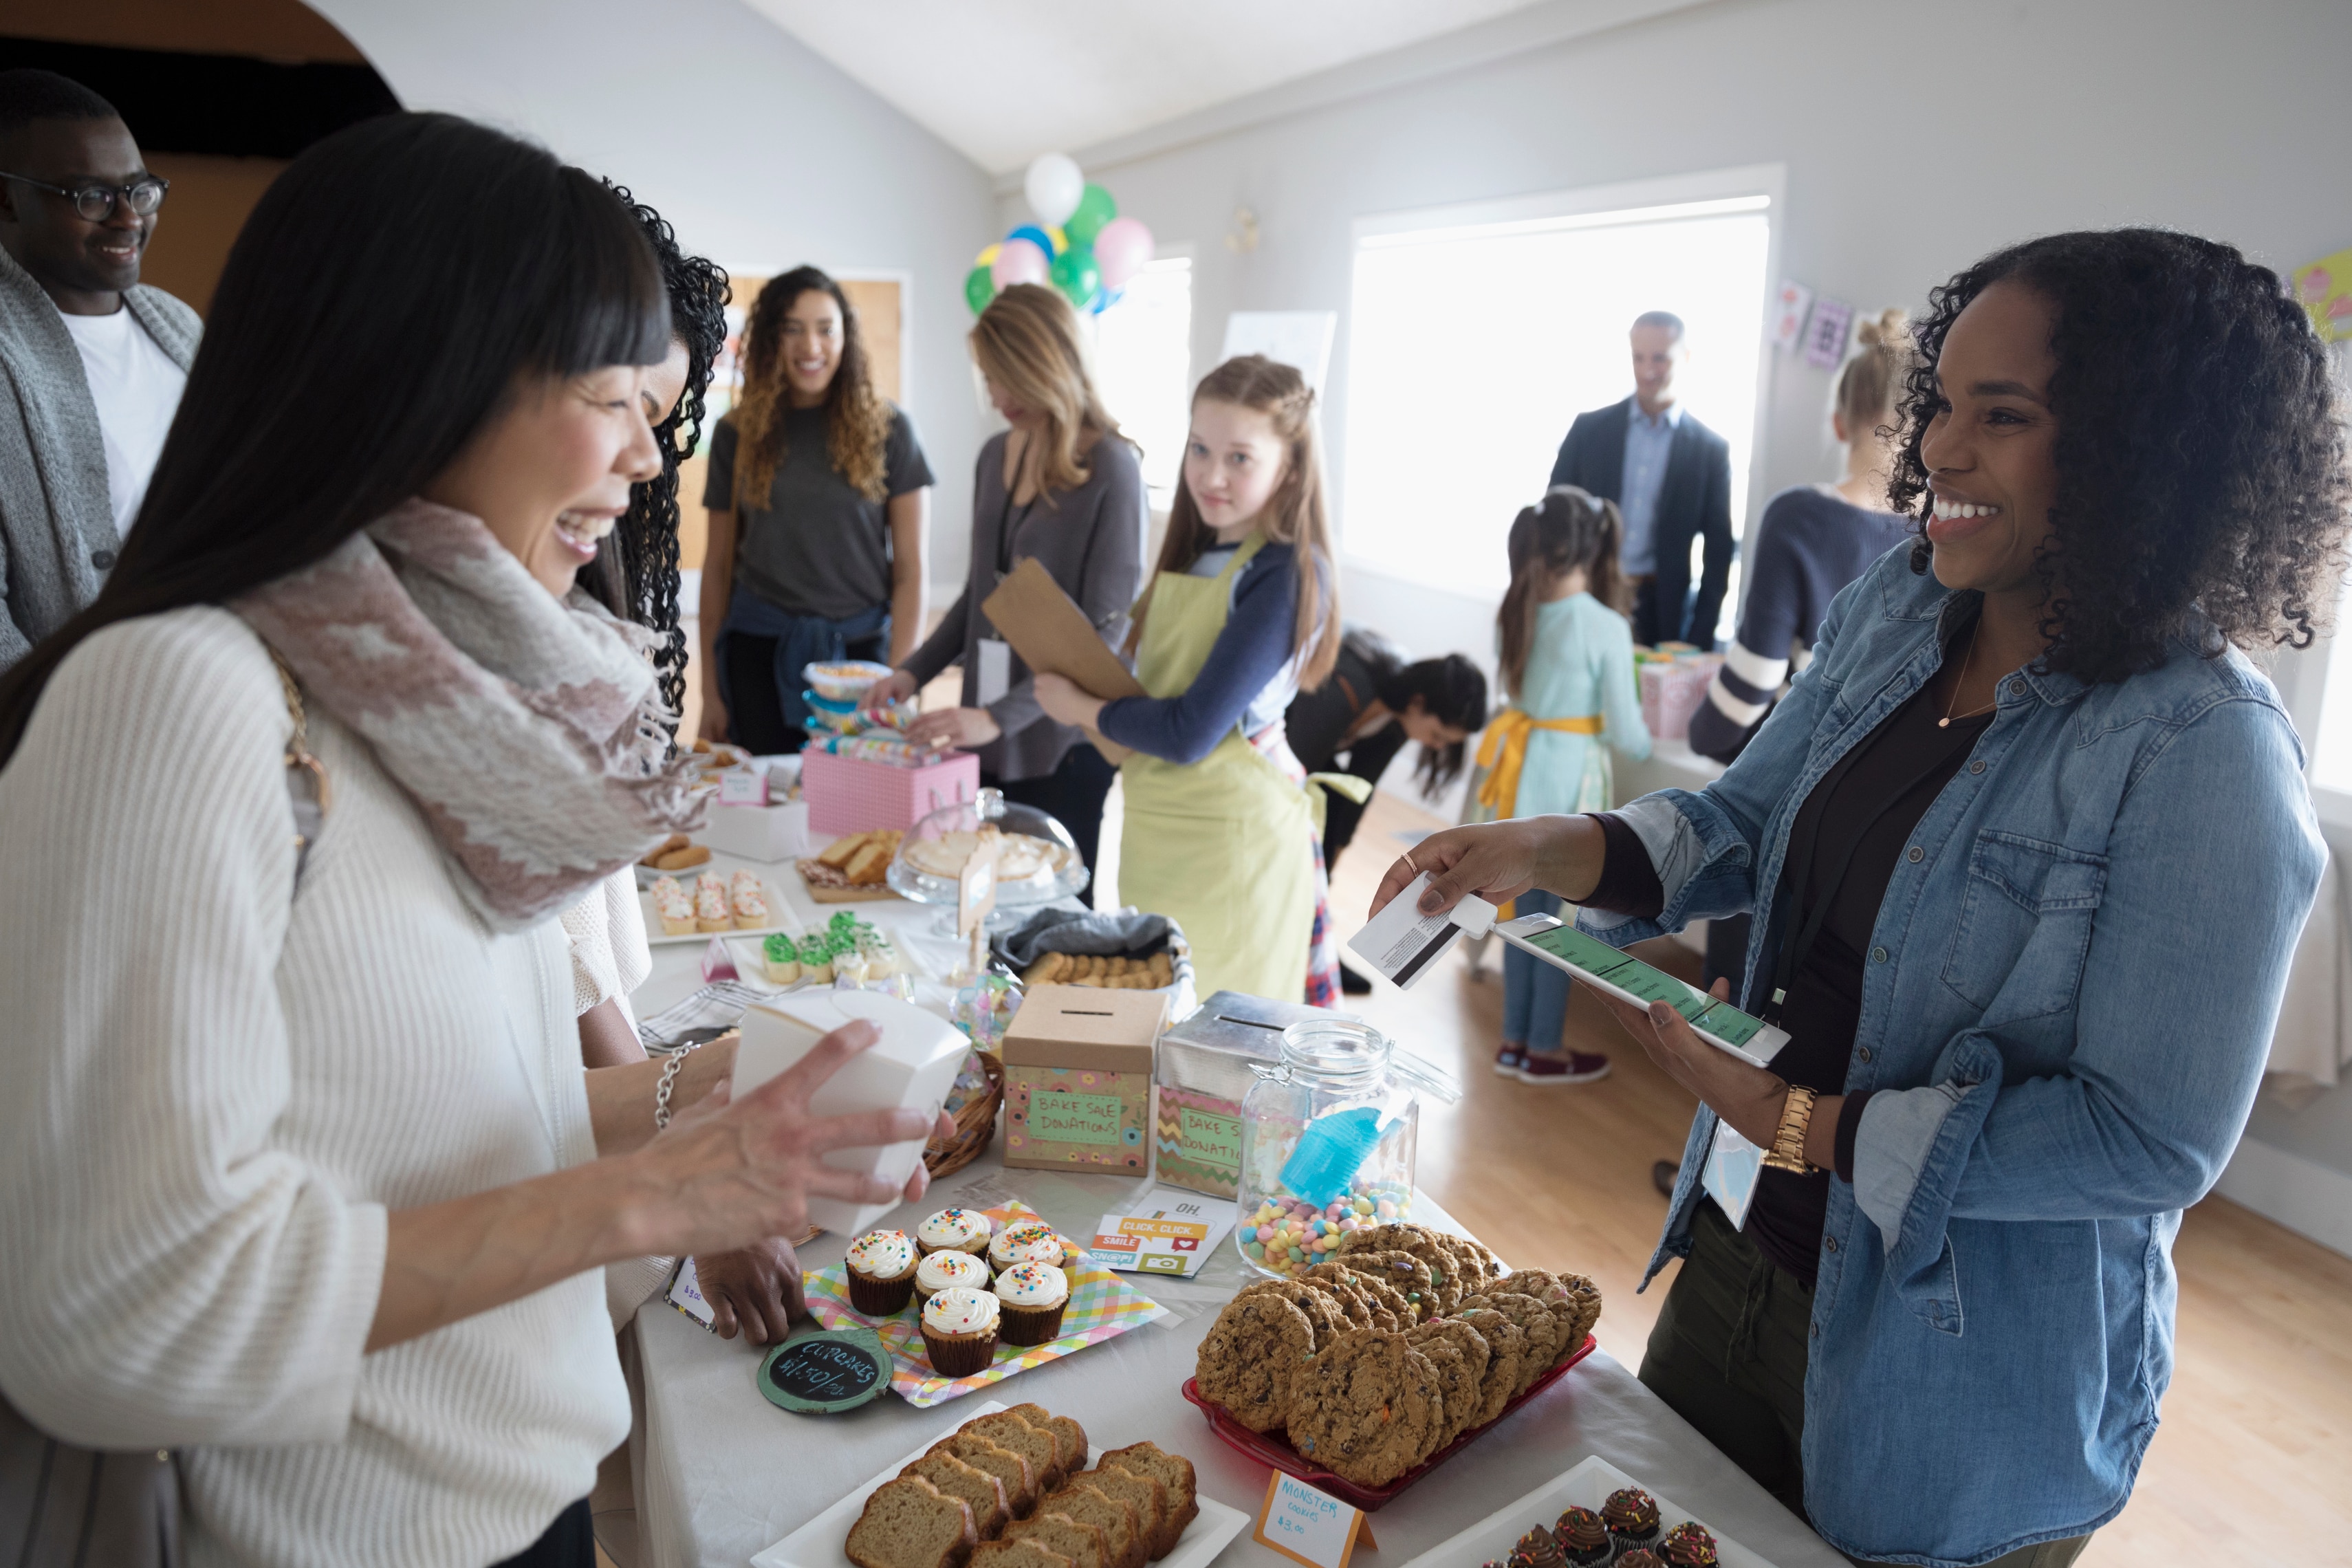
<point x="1053" y="636"/>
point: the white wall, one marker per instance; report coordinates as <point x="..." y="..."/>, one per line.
<point x="759" y="154"/>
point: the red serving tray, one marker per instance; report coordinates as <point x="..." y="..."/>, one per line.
<point x="1269" y="1448"/>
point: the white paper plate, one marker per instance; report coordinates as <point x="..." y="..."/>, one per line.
<point x="823" y="1541"/>
<point x="656" y="937"/>
<point x="1587" y="1486"/>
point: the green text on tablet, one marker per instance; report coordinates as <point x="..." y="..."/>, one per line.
<point x="1623" y="975"/>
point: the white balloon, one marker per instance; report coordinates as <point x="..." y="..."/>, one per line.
<point x="1054" y="187"/>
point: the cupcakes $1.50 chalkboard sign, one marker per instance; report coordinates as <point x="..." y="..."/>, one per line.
<point x="823" y="1374"/>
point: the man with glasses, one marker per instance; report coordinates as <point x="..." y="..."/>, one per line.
<point x="94" y="362"/>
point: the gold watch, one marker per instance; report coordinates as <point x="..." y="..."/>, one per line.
<point x="1787" y="1151"/>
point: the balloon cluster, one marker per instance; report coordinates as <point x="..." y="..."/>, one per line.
<point x="1079" y="244"/>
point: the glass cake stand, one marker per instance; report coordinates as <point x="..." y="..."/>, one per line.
<point x="921" y="872"/>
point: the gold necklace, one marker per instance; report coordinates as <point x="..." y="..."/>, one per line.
<point x="1946" y="721"/>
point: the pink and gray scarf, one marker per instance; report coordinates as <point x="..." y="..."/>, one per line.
<point x="527" y="730"/>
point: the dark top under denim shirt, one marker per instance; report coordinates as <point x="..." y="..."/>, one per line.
<point x="2066" y="1000"/>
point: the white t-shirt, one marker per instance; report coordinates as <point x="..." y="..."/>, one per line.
<point x="137" y="389"/>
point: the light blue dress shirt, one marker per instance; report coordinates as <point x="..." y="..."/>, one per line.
<point x="1649" y="440"/>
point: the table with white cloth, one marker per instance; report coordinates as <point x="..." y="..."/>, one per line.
<point x="721" y="1473"/>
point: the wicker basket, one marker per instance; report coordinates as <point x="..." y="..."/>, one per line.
<point x="975" y="1123"/>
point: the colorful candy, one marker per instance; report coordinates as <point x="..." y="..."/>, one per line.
<point x="1288" y="1236"/>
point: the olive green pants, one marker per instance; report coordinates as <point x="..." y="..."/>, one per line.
<point x="1729" y="1354"/>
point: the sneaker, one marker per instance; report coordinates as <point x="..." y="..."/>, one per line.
<point x="1352" y="983"/>
<point x="1661" y="1176"/>
<point x="1507" y="1059"/>
<point x="1570" y="1067"/>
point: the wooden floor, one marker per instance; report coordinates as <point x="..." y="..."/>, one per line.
<point x="2261" y="1403"/>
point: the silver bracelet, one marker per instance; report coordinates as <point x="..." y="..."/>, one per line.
<point x="669" y="1082"/>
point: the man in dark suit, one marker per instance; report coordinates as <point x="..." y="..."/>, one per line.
<point x="1670" y="479"/>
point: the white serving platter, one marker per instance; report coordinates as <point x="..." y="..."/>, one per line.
<point x="823" y="1542"/>
<point x="1587" y="1486"/>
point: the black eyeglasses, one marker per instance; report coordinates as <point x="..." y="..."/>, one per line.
<point x="96" y="203"/>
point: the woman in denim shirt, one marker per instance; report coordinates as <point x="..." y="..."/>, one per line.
<point x="2029" y="848"/>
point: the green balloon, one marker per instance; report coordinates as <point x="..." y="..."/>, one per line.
<point x="1096" y="208"/>
<point x="979" y="289"/>
<point x="1076" y="274"/>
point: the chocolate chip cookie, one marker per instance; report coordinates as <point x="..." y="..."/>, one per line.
<point x="1508" y="1356"/>
<point x="1367" y="1409"/>
<point x="1250" y="1357"/>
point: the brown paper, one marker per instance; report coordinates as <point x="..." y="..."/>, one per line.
<point x="1053" y="636"/>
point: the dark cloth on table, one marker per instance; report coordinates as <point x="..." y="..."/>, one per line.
<point x="1900" y="766"/>
<point x="1072" y="795"/>
<point x="1693" y="502"/>
<point x="570" y="1542"/>
<point x="1068" y="931"/>
<point x="815" y="545"/>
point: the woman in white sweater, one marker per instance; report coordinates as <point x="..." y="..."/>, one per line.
<point x="299" y="1170"/>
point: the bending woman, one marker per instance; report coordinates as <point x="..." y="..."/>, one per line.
<point x="2030" y="849"/>
<point x="1219" y="833"/>
<point x="820" y="503"/>
<point x="358" y="1187"/>
<point x="1062" y="488"/>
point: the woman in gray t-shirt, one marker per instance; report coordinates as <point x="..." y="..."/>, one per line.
<point x="1062" y="486"/>
<point x="819" y="498"/>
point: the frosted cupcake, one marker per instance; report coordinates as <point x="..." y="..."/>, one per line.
<point x="1029" y="1242"/>
<point x="949" y="1271"/>
<point x="1583" y="1538"/>
<point x="881" y="1272"/>
<point x="1632" y="1516"/>
<point x="1687" y="1545"/>
<point x="1033" y="1295"/>
<point x="955" y="1230"/>
<point x="960" y="1330"/>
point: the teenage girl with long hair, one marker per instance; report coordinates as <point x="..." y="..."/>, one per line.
<point x="1063" y="488"/>
<point x="1567" y="665"/>
<point x="820" y="501"/>
<point x="1220" y="831"/>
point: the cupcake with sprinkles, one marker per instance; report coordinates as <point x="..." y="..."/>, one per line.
<point x="1632" y="1516"/>
<point x="1537" y="1549"/>
<point x="1689" y="1546"/>
<point x="1640" y="1557"/>
<point x="959" y="1329"/>
<point x="1033" y="1295"/>
<point x="881" y="1272"/>
<point x="1583" y="1539"/>
<point x="949" y="1271"/>
<point x="1027" y="1242"/>
<point x="955" y="1230"/>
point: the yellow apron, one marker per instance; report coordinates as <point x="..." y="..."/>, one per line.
<point x="1219" y="845"/>
<point x="1503" y="752"/>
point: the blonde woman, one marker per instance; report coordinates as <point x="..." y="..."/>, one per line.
<point x="820" y="500"/>
<point x="1062" y="487"/>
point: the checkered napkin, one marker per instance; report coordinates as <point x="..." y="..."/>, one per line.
<point x="712" y="1010"/>
<point x="1101" y="1305"/>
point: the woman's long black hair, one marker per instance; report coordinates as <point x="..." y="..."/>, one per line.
<point x="638" y="576"/>
<point x="2202" y="479"/>
<point x="1452" y="690"/>
<point x="388" y="291"/>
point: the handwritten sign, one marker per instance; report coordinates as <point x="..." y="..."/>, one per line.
<point x="1210" y="1139"/>
<point x="826" y="1373"/>
<point x="1308" y="1526"/>
<point x="1075" y="1117"/>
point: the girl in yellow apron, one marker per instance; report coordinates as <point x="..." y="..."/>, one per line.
<point x="1221" y="823"/>
<point x="1567" y="658"/>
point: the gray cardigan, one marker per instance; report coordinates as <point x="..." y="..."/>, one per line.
<point x="56" y="527"/>
<point x="1091" y="538"/>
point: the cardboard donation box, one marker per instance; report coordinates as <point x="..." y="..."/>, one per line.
<point x="1204" y="1074"/>
<point x="1077" y="1079"/>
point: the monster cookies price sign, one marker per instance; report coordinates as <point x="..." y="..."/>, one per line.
<point x="1310" y="1527"/>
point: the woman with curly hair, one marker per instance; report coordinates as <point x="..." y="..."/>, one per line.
<point x="820" y="501"/>
<point x="2029" y="848"/>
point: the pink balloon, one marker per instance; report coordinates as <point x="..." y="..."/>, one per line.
<point x="1020" y="262"/>
<point x="1122" y="249"/>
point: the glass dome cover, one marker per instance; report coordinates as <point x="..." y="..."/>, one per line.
<point x="1038" y="861"/>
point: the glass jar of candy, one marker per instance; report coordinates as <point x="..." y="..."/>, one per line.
<point x="1327" y="1140"/>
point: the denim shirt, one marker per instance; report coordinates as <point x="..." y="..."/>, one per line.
<point x="2066" y="1006"/>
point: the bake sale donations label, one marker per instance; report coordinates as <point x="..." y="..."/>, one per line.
<point x="1171" y="1232"/>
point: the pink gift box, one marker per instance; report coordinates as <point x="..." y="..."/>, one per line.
<point x="850" y="794"/>
<point x="1672" y="693"/>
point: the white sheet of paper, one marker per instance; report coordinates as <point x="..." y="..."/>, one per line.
<point x="994" y="675"/>
<point x="1733" y="1165"/>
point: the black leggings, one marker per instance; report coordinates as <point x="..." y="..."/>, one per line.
<point x="755" y="716"/>
<point x="570" y="1542"/>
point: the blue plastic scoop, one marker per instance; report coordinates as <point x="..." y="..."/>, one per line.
<point x="1330" y="1153"/>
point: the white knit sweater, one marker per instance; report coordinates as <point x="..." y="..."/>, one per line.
<point x="216" y="1089"/>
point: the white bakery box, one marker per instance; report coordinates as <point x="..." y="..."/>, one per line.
<point x="758" y="831"/>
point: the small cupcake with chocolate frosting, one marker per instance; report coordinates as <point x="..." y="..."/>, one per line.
<point x="1689" y="1546"/>
<point x="949" y="1271"/>
<point x="1033" y="1295"/>
<point x="881" y="1272"/>
<point x="959" y="1329"/>
<point x="1537" y="1549"/>
<point x="1583" y="1538"/>
<point x="1640" y="1557"/>
<point x="1632" y="1516"/>
<point x="955" y="1230"/>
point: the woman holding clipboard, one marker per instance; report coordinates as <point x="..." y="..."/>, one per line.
<point x="2028" y="848"/>
<point x="1221" y="831"/>
<point x="1062" y="487"/>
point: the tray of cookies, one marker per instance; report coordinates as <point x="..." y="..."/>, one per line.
<point x="1019" y="1487"/>
<point x="1366" y="1370"/>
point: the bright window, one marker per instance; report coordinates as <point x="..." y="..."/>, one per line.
<point x="1143" y="358"/>
<point x="1474" y="344"/>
